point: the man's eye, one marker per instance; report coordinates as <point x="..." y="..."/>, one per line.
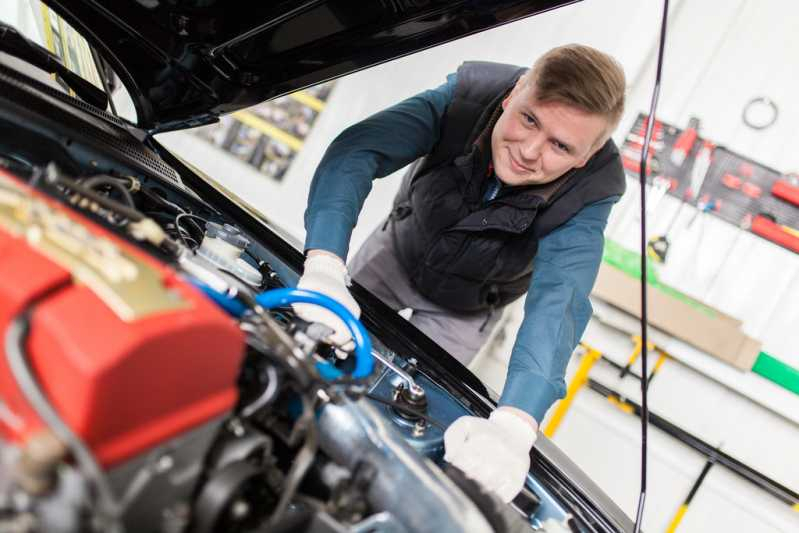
<point x="561" y="147"/>
<point x="529" y="119"/>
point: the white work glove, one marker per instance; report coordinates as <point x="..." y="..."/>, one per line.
<point x="495" y="452"/>
<point x="327" y="273"/>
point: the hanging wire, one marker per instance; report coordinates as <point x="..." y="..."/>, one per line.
<point x="644" y="375"/>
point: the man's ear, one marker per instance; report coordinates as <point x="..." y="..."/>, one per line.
<point x="591" y="153"/>
<point x="582" y="163"/>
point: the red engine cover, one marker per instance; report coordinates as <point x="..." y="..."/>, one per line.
<point x="121" y="386"/>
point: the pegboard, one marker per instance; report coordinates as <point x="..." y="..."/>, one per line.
<point x="735" y="188"/>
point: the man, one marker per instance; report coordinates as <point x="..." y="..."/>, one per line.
<point x="513" y="181"/>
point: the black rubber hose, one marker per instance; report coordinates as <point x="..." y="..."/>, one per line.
<point x="109" y="203"/>
<point x="98" y="181"/>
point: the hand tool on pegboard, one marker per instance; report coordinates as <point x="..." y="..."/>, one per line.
<point x="658" y="246"/>
<point x="706" y="204"/>
<point x="768" y="228"/>
<point x="787" y="189"/>
<point x="685" y="142"/>
<point x="660" y="186"/>
<point x="634" y="144"/>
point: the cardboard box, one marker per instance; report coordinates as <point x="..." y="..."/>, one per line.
<point x="691" y="321"/>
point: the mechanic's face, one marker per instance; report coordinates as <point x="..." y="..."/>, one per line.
<point x="537" y="142"/>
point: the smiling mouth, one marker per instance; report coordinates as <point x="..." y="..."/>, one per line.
<point x="516" y="165"/>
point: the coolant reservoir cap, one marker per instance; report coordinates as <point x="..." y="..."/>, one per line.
<point x="227" y="233"/>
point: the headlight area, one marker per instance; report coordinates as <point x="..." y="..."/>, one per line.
<point x="155" y="378"/>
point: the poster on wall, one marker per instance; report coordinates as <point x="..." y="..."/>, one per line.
<point x="58" y="36"/>
<point x="269" y="135"/>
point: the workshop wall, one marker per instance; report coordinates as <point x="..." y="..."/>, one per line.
<point x="719" y="55"/>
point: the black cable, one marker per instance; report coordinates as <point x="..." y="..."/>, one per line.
<point x="98" y="181"/>
<point x="109" y="203"/>
<point x="16" y="355"/>
<point x="407" y="409"/>
<point x="644" y="377"/>
<point x="99" y="64"/>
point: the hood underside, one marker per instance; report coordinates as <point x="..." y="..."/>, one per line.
<point x="185" y="62"/>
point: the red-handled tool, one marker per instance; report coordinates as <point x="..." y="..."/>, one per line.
<point x="685" y="142"/>
<point x="785" y="190"/>
<point x="777" y="233"/>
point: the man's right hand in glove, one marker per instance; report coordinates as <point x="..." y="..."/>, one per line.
<point x="325" y="272"/>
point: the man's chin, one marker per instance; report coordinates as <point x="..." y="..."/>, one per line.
<point x="511" y="179"/>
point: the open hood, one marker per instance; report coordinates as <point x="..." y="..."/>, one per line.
<point x="185" y="62"/>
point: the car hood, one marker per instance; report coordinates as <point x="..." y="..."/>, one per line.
<point x="185" y="62"/>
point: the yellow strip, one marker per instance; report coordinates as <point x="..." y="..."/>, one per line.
<point x="677" y="519"/>
<point x="578" y="381"/>
<point x="627" y="408"/>
<point x="65" y="59"/>
<point x="268" y="129"/>
<point x="636" y="350"/>
<point x="795" y="507"/>
<point x="48" y="30"/>
<point x="788" y="229"/>
<point x="48" y="33"/>
<point x="659" y="362"/>
<point x="306" y="99"/>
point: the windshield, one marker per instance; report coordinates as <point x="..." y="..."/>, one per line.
<point x="42" y="26"/>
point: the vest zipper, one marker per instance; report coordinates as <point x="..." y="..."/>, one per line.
<point x="491" y="299"/>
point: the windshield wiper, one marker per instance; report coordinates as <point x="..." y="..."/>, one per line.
<point x="19" y="46"/>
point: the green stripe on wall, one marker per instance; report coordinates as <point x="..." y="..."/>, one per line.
<point x="775" y="370"/>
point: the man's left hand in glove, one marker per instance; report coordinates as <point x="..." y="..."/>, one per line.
<point x="495" y="451"/>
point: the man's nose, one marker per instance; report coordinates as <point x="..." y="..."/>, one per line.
<point x="531" y="147"/>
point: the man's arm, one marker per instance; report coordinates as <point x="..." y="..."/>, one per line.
<point x="372" y="148"/>
<point x="496" y="452"/>
<point x="556" y="310"/>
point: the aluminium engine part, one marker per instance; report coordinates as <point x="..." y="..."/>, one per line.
<point x="59" y="510"/>
<point x="223" y="245"/>
<point x="407" y="485"/>
<point x="415" y="391"/>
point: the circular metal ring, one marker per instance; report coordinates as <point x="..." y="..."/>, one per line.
<point x="757" y="106"/>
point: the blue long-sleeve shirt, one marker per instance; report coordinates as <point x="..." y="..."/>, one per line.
<point x="556" y="309"/>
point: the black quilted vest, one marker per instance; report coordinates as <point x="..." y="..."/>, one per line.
<point x="459" y="251"/>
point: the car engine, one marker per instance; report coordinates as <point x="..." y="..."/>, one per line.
<point x="155" y="378"/>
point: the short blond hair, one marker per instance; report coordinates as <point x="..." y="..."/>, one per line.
<point x="582" y="77"/>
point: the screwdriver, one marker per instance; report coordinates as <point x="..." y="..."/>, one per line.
<point x="685" y="142"/>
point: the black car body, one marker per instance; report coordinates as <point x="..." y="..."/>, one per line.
<point x="366" y="460"/>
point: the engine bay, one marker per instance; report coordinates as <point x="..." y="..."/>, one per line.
<point x="155" y="377"/>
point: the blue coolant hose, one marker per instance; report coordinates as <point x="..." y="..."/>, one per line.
<point x="364" y="363"/>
